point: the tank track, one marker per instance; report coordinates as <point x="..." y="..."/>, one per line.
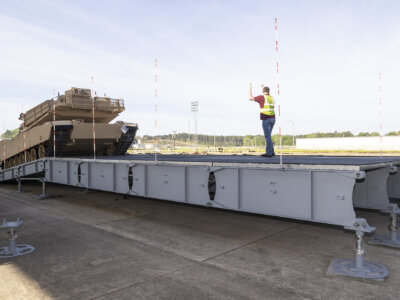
<point x="125" y="141"/>
<point x="62" y="137"/>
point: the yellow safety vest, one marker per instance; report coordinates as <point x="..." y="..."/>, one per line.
<point x="269" y="106"/>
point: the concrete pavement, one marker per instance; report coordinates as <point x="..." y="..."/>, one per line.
<point x="101" y="246"/>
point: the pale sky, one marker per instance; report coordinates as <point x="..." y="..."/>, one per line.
<point x="331" y="53"/>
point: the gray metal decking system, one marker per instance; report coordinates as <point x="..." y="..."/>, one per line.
<point x="323" y="189"/>
<point x="313" y="188"/>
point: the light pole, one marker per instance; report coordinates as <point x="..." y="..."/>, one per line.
<point x="194" y="107"/>
<point x="293" y="131"/>
<point x="174" y="131"/>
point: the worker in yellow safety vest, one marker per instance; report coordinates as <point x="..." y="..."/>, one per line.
<point x="267" y="115"/>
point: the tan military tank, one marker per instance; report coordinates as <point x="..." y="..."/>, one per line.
<point x="73" y="129"/>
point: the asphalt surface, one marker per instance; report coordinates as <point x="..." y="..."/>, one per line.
<point x="101" y="246"/>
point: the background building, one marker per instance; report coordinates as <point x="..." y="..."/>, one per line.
<point x="350" y="143"/>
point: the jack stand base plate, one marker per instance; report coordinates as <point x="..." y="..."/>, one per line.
<point x="372" y="271"/>
<point x="383" y="240"/>
<point x="44" y="197"/>
<point x="85" y="191"/>
<point x="19" y="250"/>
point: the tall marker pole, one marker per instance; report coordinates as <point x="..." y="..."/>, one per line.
<point x="4" y="144"/>
<point x="23" y="129"/>
<point x="93" y="123"/>
<point x="380" y="114"/>
<point x="155" y="106"/>
<point x="278" y="92"/>
<point x="54" y="123"/>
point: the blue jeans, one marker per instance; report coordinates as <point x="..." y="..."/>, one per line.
<point x="267" y="125"/>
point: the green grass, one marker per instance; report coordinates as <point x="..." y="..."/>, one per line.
<point x="260" y="150"/>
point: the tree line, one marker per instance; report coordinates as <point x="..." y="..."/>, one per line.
<point x="234" y="140"/>
<point x="9" y="134"/>
<point x="250" y="140"/>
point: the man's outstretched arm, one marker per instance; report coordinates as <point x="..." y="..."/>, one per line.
<point x="250" y="93"/>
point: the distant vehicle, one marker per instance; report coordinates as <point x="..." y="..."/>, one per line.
<point x="73" y="129"/>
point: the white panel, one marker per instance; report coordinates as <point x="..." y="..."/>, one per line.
<point x="197" y="185"/>
<point x="59" y="172"/>
<point x="8" y="174"/>
<point x="276" y="192"/>
<point x="121" y="178"/>
<point x="393" y="185"/>
<point x="84" y="167"/>
<point x="165" y="182"/>
<point x="73" y="173"/>
<point x="31" y="168"/>
<point x="372" y="192"/>
<point x="101" y="176"/>
<point x="332" y="197"/>
<point x="139" y="180"/>
<point x="227" y="189"/>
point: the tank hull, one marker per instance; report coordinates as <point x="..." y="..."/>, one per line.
<point x="72" y="139"/>
<point x="74" y="112"/>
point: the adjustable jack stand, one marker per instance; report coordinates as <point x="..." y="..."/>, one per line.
<point x="12" y="249"/>
<point x="43" y="195"/>
<point x="85" y="191"/>
<point x="19" y="187"/>
<point x="358" y="268"/>
<point x="392" y="240"/>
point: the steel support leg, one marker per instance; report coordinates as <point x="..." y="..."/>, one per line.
<point x="19" y="186"/>
<point x="43" y="195"/>
<point x="391" y="240"/>
<point x="358" y="268"/>
<point x="13" y="249"/>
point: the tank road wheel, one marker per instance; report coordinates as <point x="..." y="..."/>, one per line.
<point x="42" y="151"/>
<point x="33" y="154"/>
<point x="110" y="150"/>
<point x="28" y="156"/>
<point x="21" y="158"/>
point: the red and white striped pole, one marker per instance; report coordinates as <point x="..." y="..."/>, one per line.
<point x="380" y="114"/>
<point x="278" y="91"/>
<point x="155" y="106"/>
<point x="93" y="122"/>
<point x="54" y="123"/>
<point x="23" y="129"/>
<point x="4" y="144"/>
<point x="4" y="152"/>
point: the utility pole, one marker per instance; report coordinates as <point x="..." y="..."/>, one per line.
<point x="194" y="107"/>
<point x="173" y="136"/>
<point x="293" y="131"/>
<point x="189" y="133"/>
